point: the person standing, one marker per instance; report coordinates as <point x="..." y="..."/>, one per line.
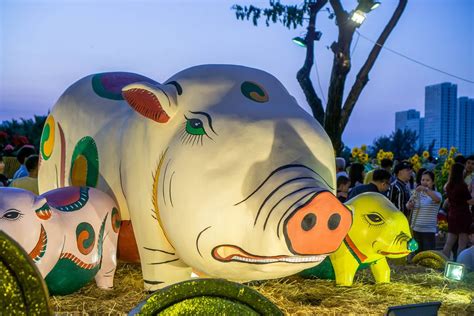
<point x="380" y="183"/>
<point x="343" y="184"/>
<point x="356" y="174"/>
<point x="459" y="216"/>
<point x="29" y="182"/>
<point x="469" y="174"/>
<point x="424" y="204"/>
<point x="386" y="164"/>
<point x="341" y="167"/>
<point x="23" y="153"/>
<point x="399" y="193"/>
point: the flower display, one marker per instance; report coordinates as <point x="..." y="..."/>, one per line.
<point x="359" y="155"/>
<point x="415" y="160"/>
<point x="384" y="155"/>
<point x="443" y="168"/>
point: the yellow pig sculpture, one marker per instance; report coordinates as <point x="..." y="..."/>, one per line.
<point x="379" y="231"/>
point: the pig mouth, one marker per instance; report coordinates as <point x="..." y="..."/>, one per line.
<point x="228" y="253"/>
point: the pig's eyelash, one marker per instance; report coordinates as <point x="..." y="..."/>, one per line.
<point x="189" y="139"/>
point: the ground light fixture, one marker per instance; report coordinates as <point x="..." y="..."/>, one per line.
<point x="454" y="271"/>
<point x="425" y="309"/>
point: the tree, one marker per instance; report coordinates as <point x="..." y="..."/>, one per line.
<point x="401" y="143"/>
<point x="335" y="116"/>
<point x="29" y="128"/>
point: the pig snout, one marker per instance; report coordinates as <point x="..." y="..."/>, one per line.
<point x="319" y="226"/>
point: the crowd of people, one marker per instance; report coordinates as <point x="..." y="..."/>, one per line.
<point x="25" y="175"/>
<point x="415" y="194"/>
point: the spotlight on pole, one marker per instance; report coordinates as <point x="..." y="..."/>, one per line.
<point x="358" y="17"/>
<point x="367" y="5"/>
<point x="301" y="41"/>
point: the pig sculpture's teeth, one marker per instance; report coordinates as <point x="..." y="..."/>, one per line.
<point x="227" y="253"/>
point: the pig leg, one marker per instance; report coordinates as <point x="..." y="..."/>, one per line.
<point x="344" y="265"/>
<point x="160" y="264"/>
<point x="381" y="271"/>
<point x="105" y="276"/>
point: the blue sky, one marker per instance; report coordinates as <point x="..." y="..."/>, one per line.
<point x="48" y="44"/>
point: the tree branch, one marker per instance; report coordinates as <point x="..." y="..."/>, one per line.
<point x="363" y="75"/>
<point x="340" y="68"/>
<point x="303" y="74"/>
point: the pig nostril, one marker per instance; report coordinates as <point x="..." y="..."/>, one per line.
<point x="334" y="221"/>
<point x="308" y="221"/>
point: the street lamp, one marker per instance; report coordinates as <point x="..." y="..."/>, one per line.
<point x="364" y="7"/>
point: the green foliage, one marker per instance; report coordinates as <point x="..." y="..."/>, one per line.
<point x="401" y="143"/>
<point x="291" y="16"/>
<point x="30" y="128"/>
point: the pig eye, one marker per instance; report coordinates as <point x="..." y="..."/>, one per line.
<point x="195" y="127"/>
<point x="374" y="219"/>
<point x="12" y="215"/>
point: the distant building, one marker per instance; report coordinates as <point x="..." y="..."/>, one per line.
<point x="440" y="115"/>
<point x="421" y="137"/>
<point x="409" y="120"/>
<point x="465" y="126"/>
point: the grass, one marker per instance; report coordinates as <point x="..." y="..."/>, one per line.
<point x="296" y="296"/>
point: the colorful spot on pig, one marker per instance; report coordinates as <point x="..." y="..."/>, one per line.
<point x="47" y="138"/>
<point x="254" y="92"/>
<point x="115" y="219"/>
<point x="109" y="85"/>
<point x="39" y="250"/>
<point x="85" y="163"/>
<point x="71" y="273"/>
<point x="85" y="238"/>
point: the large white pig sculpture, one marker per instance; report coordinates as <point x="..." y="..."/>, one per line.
<point x="218" y="168"/>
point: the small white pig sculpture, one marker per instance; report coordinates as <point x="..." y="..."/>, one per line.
<point x="70" y="233"/>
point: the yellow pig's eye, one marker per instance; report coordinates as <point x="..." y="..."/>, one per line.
<point x="374" y="219"/>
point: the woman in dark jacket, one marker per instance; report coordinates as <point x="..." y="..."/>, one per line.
<point x="459" y="216"/>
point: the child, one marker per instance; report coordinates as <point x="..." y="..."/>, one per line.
<point x="424" y="204"/>
<point x="343" y="184"/>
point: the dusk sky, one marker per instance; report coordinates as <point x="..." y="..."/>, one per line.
<point x="46" y="45"/>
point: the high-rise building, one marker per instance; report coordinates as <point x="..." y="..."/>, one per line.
<point x="440" y="115"/>
<point x="409" y="120"/>
<point x="465" y="126"/>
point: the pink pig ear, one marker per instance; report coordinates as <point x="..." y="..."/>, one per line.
<point x="41" y="208"/>
<point x="156" y="102"/>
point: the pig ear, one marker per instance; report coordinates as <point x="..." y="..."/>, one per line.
<point x="39" y="202"/>
<point x="42" y="208"/>
<point x="154" y="101"/>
